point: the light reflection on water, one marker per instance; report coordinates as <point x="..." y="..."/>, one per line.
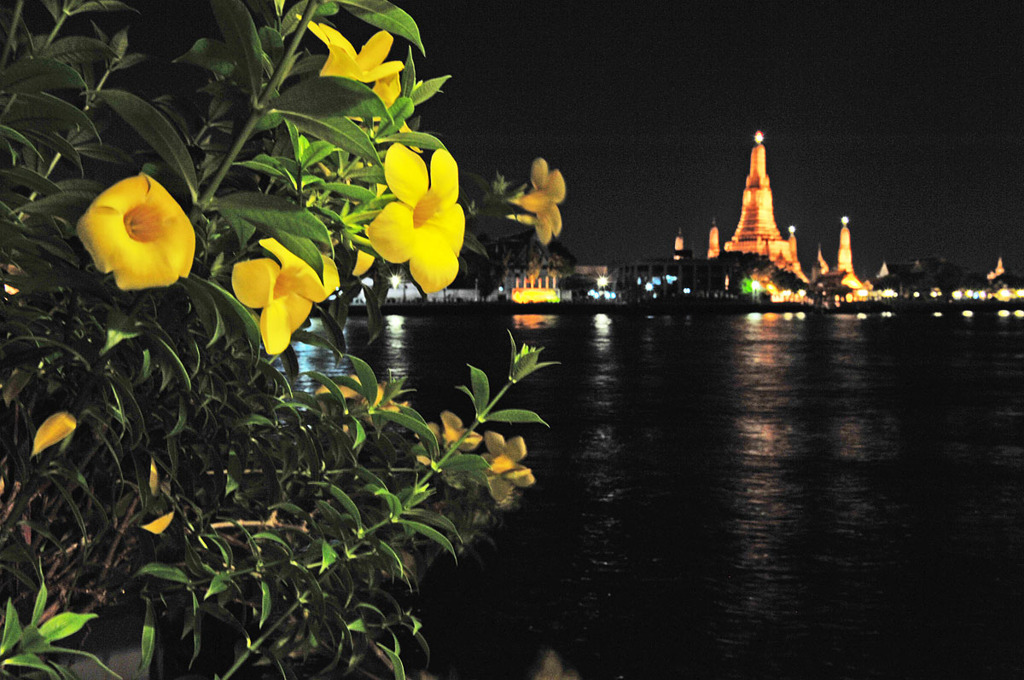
<point x="734" y="497"/>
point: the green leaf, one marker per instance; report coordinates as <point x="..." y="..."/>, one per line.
<point x="12" y="629"/>
<point x="102" y="6"/>
<point x="481" y="388"/>
<point x="163" y="571"/>
<point x="274" y="216"/>
<point x="431" y="533"/>
<point x="64" y="625"/>
<point x="332" y="97"/>
<point x="36" y="75"/>
<point x="427" y="89"/>
<point x="78" y="49"/>
<point x="242" y="40"/>
<point x="339" y="131"/>
<point x="229" y="307"/>
<point x="68" y="205"/>
<point x="148" y="637"/>
<point x="210" y="54"/>
<point x="19" y="176"/>
<point x="40" y="605"/>
<point x="465" y="462"/>
<point x="157" y="132"/>
<point x="383" y="14"/>
<point x="218" y="584"/>
<point x="514" y="415"/>
<point x="352" y="192"/>
<point x="347" y="503"/>
<point x="328" y="556"/>
<point x="415" y="425"/>
<point x="31" y="661"/>
<point x="367" y="380"/>
<point x="45" y="113"/>
<point x="266" y="603"/>
<point x="420" y="140"/>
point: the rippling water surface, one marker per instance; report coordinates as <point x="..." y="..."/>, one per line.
<point x="758" y="496"/>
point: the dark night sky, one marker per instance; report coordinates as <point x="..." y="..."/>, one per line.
<point x="906" y="117"/>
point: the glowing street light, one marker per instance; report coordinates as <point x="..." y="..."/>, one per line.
<point x="396" y="282"/>
<point x="602" y="281"/>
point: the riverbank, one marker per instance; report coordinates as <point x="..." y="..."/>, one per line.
<point x="689" y="307"/>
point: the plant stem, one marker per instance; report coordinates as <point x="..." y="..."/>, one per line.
<point x="280" y="73"/>
<point x="259" y="641"/>
<point x="9" y="42"/>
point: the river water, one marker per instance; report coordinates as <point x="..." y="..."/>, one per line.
<point x="758" y="496"/>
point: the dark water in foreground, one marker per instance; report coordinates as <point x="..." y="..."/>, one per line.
<point x="742" y="497"/>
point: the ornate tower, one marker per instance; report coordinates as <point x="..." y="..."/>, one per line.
<point x="713" y="241"/>
<point x="756" y="231"/>
<point x="678" y="250"/>
<point x="844" y="261"/>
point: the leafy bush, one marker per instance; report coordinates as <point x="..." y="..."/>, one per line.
<point x="155" y="441"/>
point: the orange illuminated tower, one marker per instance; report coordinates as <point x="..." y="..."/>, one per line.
<point x="679" y="247"/>
<point x="713" y="241"/>
<point x="756" y="231"/>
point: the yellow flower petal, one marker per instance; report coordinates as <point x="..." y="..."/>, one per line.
<point x="444" y="178"/>
<point x="555" y="186"/>
<point x="539" y="173"/>
<point x="501" y="464"/>
<point x="406" y="174"/>
<point x="450" y="224"/>
<point x="160" y="524"/>
<point x="363" y="263"/>
<point x="332" y="279"/>
<point x="278" y="321"/>
<point x="515" y="449"/>
<point x="332" y="38"/>
<point x="253" y="282"/>
<point x="432" y="263"/>
<point x="388" y="89"/>
<point x="154" y="477"/>
<point x="54" y="429"/>
<point x="375" y="50"/>
<point x="499" y="488"/>
<point x="137" y="230"/>
<point x="391" y="232"/>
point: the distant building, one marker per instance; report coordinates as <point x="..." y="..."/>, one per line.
<point x="667" y="280"/>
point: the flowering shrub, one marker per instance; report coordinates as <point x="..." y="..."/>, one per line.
<point x="156" y="445"/>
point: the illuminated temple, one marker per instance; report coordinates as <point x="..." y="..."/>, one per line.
<point x="756" y="231"/>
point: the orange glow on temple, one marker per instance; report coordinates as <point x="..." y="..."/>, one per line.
<point x="528" y="295"/>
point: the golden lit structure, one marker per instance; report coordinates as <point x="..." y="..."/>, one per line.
<point x="756" y="231"/>
<point x="713" y="248"/>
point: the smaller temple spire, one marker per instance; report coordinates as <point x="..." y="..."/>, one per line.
<point x="997" y="272"/>
<point x="822" y="264"/>
<point x="679" y="247"/>
<point x="713" y="240"/>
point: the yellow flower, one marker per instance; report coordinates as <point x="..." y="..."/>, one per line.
<point x="54" y="429"/>
<point x="367" y="66"/>
<point x="285" y="292"/>
<point x="505" y="472"/>
<point x="426" y="225"/>
<point x="388" y="89"/>
<point x="363" y="263"/>
<point x="548" y="192"/>
<point x="377" y="404"/>
<point x="138" y="231"/>
<point x="160" y="524"/>
<point x="452" y="431"/>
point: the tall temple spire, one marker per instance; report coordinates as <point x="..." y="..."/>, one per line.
<point x="845" y="258"/>
<point x="756" y="231"/>
<point x="997" y="272"/>
<point x="713" y="240"/>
